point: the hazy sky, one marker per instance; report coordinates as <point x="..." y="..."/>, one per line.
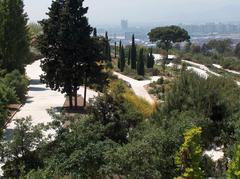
<point x="110" y="12"/>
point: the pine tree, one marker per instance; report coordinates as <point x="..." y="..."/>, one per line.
<point x="71" y="55"/>
<point x="140" y="63"/>
<point x="14" y="36"/>
<point x="122" y="59"/>
<point x="129" y="56"/>
<point x="133" y="53"/>
<point x="150" y="59"/>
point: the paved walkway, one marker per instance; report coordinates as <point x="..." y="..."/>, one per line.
<point x="138" y="86"/>
<point x="202" y="67"/>
<point x="40" y="98"/>
<point x="203" y="71"/>
<point x="230" y="71"/>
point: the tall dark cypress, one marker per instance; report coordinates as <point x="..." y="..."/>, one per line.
<point x="150" y="59"/>
<point x="14" y="40"/>
<point x="122" y="59"/>
<point x="133" y="53"/>
<point x="107" y="48"/>
<point x="140" y="63"/>
<point x="119" y="56"/>
<point x="129" y="56"/>
<point x="115" y="49"/>
<point x="94" y="32"/>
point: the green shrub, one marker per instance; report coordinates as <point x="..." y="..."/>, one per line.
<point x="7" y="96"/>
<point x="18" y="82"/>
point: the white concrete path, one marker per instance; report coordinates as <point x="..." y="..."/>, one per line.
<point x="203" y="71"/>
<point x="138" y="86"/>
<point x="230" y="71"/>
<point x="40" y="98"/>
<point x="202" y="67"/>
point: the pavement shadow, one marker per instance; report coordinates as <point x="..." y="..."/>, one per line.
<point x="37" y="89"/>
<point x="35" y="82"/>
<point x="29" y="99"/>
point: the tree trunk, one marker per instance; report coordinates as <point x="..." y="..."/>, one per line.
<point x="75" y="97"/>
<point x="85" y="90"/>
<point x="70" y="101"/>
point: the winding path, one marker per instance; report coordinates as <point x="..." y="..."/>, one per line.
<point x="203" y="71"/>
<point x="138" y="86"/>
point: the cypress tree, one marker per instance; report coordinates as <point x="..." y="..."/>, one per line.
<point x="133" y="53"/>
<point x="150" y="59"/>
<point x="129" y="56"/>
<point x="119" y="56"/>
<point x="115" y="49"/>
<point x="14" y="36"/>
<point x="140" y="64"/>
<point x="94" y="32"/>
<point x="1" y="31"/>
<point x="72" y="59"/>
<point x="107" y="48"/>
<point x="122" y="59"/>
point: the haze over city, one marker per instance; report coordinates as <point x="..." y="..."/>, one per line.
<point x="153" y="12"/>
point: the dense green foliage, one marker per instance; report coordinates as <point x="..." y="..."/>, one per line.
<point x="18" y="82"/>
<point x="167" y="36"/>
<point x="7" y="96"/>
<point x="190" y="155"/>
<point x="19" y="151"/>
<point x="221" y="46"/>
<point x="14" y="36"/>
<point x="116" y="138"/>
<point x="234" y="166"/>
<point x="216" y="99"/>
<point x="71" y="55"/>
<point x="14" y="54"/>
<point x="13" y="88"/>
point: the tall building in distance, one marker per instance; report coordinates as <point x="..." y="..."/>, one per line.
<point x="124" y="24"/>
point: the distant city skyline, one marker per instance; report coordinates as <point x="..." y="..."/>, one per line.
<point x="150" y="12"/>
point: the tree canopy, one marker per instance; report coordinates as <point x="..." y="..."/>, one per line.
<point x="166" y="36"/>
<point x="71" y="54"/>
<point x="14" y="35"/>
